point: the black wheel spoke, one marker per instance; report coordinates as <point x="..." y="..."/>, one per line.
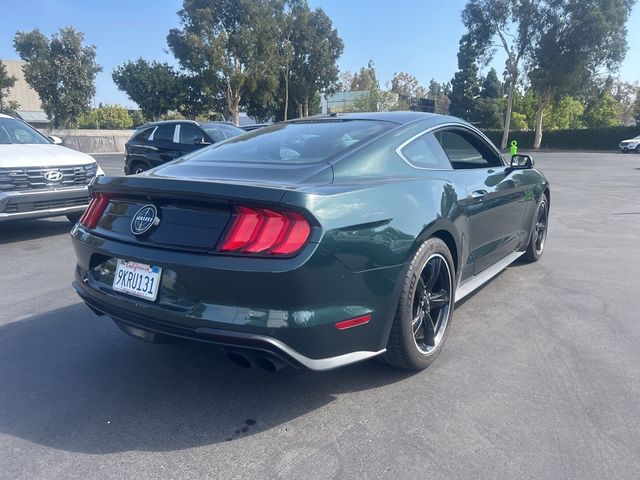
<point x="417" y="322"/>
<point x="433" y="274"/>
<point x="429" y="330"/>
<point x="439" y="299"/>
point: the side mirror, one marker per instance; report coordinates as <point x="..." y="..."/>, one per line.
<point x="521" y="162"/>
<point x="201" y="141"/>
<point x="55" y="140"/>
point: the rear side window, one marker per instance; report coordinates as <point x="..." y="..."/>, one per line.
<point x="144" y="134"/>
<point x="298" y="142"/>
<point x="426" y="152"/>
<point x="164" y="133"/>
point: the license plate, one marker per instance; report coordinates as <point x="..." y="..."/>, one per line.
<point x="137" y="279"/>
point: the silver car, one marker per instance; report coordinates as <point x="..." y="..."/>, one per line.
<point x="40" y="178"/>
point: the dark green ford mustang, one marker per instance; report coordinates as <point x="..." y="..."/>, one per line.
<point x="316" y="242"/>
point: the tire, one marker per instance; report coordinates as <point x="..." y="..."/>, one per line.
<point x="638" y="149"/>
<point x="428" y="290"/>
<point x="138" y="167"/>
<point x="539" y="230"/>
<point x="74" y="217"/>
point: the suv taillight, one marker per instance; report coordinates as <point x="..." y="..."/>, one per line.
<point x="94" y="211"/>
<point x="266" y="231"/>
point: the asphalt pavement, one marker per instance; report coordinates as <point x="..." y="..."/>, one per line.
<point x="540" y="377"/>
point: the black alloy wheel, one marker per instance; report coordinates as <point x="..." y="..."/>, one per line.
<point x="423" y="314"/>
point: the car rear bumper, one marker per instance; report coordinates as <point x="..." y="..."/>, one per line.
<point x="290" y="313"/>
<point x="40" y="204"/>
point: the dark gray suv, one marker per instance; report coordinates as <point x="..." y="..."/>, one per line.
<point x="160" y="142"/>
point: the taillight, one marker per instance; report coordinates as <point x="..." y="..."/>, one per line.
<point x="263" y="230"/>
<point x="94" y="211"/>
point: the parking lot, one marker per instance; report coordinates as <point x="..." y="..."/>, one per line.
<point x="540" y="377"/>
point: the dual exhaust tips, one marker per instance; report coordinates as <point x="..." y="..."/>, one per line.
<point x="264" y="361"/>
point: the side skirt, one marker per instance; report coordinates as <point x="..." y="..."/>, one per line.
<point x="487" y="274"/>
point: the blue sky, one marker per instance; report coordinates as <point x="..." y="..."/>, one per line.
<point x="417" y="36"/>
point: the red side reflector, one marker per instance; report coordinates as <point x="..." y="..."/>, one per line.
<point x="96" y="208"/>
<point x="262" y="230"/>
<point x="354" y="322"/>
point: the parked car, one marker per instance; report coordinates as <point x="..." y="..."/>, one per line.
<point x="159" y="142"/>
<point x="631" y="145"/>
<point x="38" y="176"/>
<point x="254" y="126"/>
<point x="316" y="242"/>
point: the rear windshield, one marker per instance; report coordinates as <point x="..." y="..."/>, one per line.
<point x="299" y="142"/>
<point x="220" y="132"/>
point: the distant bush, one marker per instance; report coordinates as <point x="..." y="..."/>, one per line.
<point x="606" y="138"/>
<point x="110" y="117"/>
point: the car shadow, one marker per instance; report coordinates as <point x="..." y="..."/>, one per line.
<point x="20" y="230"/>
<point x="72" y="381"/>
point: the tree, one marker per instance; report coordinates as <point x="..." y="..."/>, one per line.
<point x="230" y="45"/>
<point x="625" y="94"/>
<point x="465" y="84"/>
<point x="152" y="85"/>
<point x="563" y="114"/>
<point x="105" y="116"/>
<point x="603" y="111"/>
<point x="576" y="41"/>
<point x="365" y="79"/>
<point x="636" y="108"/>
<point x="316" y="49"/>
<point x="377" y="100"/>
<point x="61" y="70"/>
<point x="408" y="89"/>
<point x="6" y="83"/>
<point x="491" y="86"/>
<point x="506" y="25"/>
<point x="439" y="92"/>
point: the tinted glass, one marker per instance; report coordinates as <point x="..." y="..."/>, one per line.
<point x="15" y="131"/>
<point x="300" y="142"/>
<point x="465" y="150"/>
<point x="164" y="133"/>
<point x="220" y="132"/>
<point x="426" y="152"/>
<point x="144" y="134"/>
<point x="190" y="134"/>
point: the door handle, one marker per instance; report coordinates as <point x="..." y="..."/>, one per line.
<point x="478" y="194"/>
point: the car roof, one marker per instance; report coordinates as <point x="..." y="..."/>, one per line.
<point x="173" y="122"/>
<point x="2" y="115"/>
<point x="400" y="117"/>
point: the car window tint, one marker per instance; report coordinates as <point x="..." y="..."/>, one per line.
<point x="164" y="133"/>
<point x="297" y="142"/>
<point x="144" y="134"/>
<point x="426" y="152"/>
<point x="465" y="150"/>
<point x="190" y="134"/>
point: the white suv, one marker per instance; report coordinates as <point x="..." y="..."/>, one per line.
<point x="631" y="145"/>
<point x="39" y="178"/>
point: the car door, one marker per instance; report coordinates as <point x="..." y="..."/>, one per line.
<point x="192" y="137"/>
<point x="494" y="203"/>
<point x="163" y="139"/>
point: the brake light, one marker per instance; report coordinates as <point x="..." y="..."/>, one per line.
<point x="94" y="211"/>
<point x="353" y="322"/>
<point x="262" y="230"/>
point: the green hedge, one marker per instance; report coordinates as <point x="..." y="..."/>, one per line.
<point x="579" y="139"/>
